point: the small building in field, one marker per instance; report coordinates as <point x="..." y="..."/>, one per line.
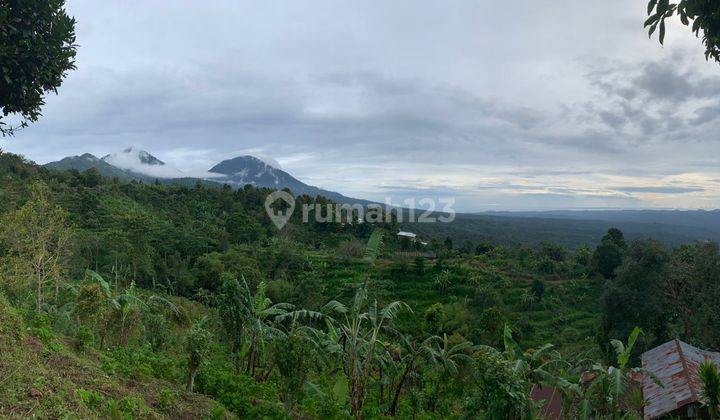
<point x="407" y="235"/>
<point x="675" y="364"/>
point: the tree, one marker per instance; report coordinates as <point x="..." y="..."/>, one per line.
<point x="616" y="237"/>
<point x="374" y="246"/>
<point x="606" y="396"/>
<point x="420" y="266"/>
<point x="37" y="49"/>
<point x="242" y="228"/>
<point x="38" y="238"/>
<point x="414" y="354"/>
<point x="125" y="308"/>
<point x="635" y="297"/>
<point x="197" y="347"/>
<point x="450" y="354"/>
<point x="710" y="379"/>
<point x="692" y="289"/>
<point x="443" y="280"/>
<point x="530" y="365"/>
<point x="702" y="13"/>
<point x="231" y="304"/>
<point x="538" y="289"/>
<point x="260" y="324"/>
<point x="356" y="338"/>
<point x="294" y="357"/>
<point x="551" y="250"/>
<point x="609" y="253"/>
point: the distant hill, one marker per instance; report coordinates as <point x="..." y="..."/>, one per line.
<point x="707" y="220"/>
<point x="134" y="164"/>
<point x="86" y="161"/>
<point x="574" y="228"/>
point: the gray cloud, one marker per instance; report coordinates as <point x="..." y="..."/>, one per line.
<point x="375" y="98"/>
<point x="659" y="190"/>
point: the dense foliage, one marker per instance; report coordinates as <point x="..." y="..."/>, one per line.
<point x="701" y="15"/>
<point x="192" y="291"/>
<point x="37" y="49"/>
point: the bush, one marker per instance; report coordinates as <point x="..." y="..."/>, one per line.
<point x="241" y="394"/>
<point x="91" y="399"/>
<point x="84" y="338"/>
<point x="545" y="265"/>
<point x="352" y="249"/>
<point x="139" y="362"/>
<point x="157" y="331"/>
<point x="166" y="399"/>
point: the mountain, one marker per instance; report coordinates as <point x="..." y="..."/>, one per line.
<point x="86" y="161"/>
<point x="244" y="170"/>
<point x="135" y="164"/>
<point x="143" y="163"/>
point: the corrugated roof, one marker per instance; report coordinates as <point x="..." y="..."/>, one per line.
<point x="675" y="364"/>
<point x="408" y="234"/>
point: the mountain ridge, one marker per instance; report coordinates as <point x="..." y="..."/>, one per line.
<point x="135" y="164"/>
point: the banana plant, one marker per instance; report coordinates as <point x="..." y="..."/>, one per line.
<point x="374" y="246"/>
<point x="710" y="379"/>
<point x="356" y="337"/>
<point x="607" y="392"/>
<point x="123" y="305"/>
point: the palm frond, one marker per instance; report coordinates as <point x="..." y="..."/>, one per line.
<point x="391" y="311"/>
<point x="99" y="280"/>
<point x="166" y="303"/>
<point x="374" y="245"/>
<point x="334" y="306"/>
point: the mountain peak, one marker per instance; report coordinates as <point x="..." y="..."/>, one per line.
<point x="142" y="162"/>
<point x="244" y="163"/>
<point x="134" y="154"/>
<point x="89" y="157"/>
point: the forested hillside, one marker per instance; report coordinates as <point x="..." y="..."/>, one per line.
<point x="128" y="299"/>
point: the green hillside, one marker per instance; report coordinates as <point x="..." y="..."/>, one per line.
<point x="117" y="296"/>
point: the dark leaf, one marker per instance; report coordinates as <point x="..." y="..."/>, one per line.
<point x="651" y="6"/>
<point x="662" y="31"/>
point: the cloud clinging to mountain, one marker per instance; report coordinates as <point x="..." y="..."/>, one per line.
<point x="499" y="104"/>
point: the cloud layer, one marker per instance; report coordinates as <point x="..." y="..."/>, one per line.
<point x="501" y="106"/>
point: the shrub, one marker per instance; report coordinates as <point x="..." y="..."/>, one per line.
<point x="240" y="393"/>
<point x="84" y="338"/>
<point x="92" y="399"/>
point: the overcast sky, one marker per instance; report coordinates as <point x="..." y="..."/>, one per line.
<point x="527" y="104"/>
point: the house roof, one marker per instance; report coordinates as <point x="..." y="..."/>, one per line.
<point x="553" y="402"/>
<point x="408" y="234"/>
<point x="675" y="364"/>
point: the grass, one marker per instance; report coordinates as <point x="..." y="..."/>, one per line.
<point x="41" y="376"/>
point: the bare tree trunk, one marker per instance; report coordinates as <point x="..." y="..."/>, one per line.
<point x="191" y="379"/>
<point x="396" y="399"/>
<point x="251" y="350"/>
<point x="39" y="289"/>
<point x="122" y="331"/>
<point x="382" y="386"/>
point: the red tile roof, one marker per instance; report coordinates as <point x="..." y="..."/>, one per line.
<point x="675" y="364"/>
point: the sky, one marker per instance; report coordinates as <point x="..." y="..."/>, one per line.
<point x="522" y="105"/>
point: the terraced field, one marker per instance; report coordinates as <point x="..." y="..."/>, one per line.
<point x="567" y="313"/>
